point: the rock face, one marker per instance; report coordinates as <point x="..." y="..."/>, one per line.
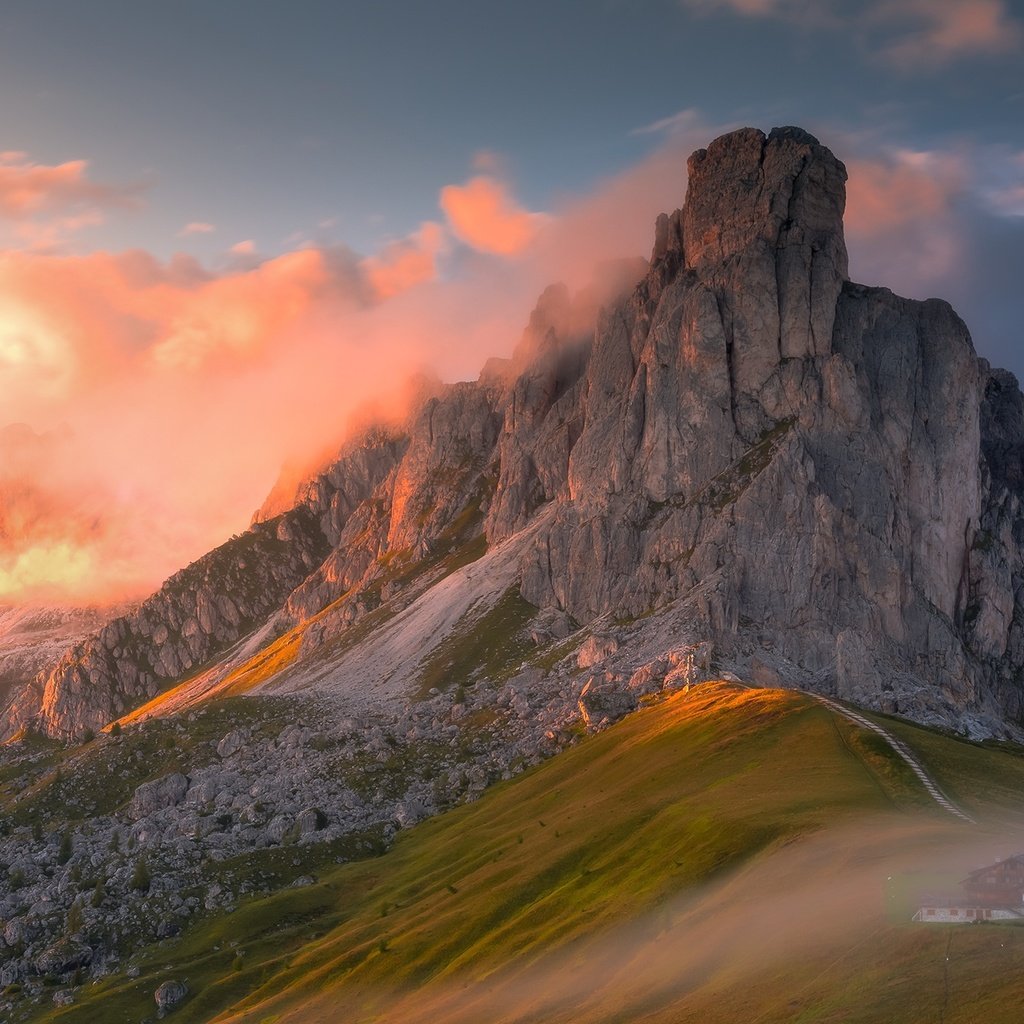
<point x="821" y="480"/>
<point x="195" y="616"/>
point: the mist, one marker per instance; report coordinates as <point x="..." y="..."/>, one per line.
<point x="779" y="937"/>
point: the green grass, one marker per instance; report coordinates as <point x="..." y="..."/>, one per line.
<point x="986" y="778"/>
<point x="679" y="796"/>
<point x="603" y="884"/>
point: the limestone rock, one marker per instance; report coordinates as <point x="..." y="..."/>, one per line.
<point x="168" y="791"/>
<point x="63" y="957"/>
<point x="231" y="743"/>
<point x="169" y="995"/>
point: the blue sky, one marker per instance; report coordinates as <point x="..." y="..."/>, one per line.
<point x="340" y="121"/>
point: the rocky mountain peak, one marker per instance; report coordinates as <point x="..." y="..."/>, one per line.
<point x="748" y="450"/>
<point x="748" y="190"/>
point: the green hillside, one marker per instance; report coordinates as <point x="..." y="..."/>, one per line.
<point x="724" y="855"/>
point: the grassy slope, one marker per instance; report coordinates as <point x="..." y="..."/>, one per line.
<point x="696" y="861"/>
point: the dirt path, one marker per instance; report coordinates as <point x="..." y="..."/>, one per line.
<point x="902" y="749"/>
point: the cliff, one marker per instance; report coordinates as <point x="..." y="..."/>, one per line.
<point x="820" y="479"/>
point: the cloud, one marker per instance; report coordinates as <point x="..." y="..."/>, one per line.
<point x="903" y="221"/>
<point x="41" y="205"/>
<point x="753" y="8"/>
<point x="196" y="227"/>
<point x="1002" y="185"/>
<point x="407" y="262"/>
<point x="28" y="189"/>
<point x="244" y="248"/>
<point x="937" y="31"/>
<point x="908" y="34"/>
<point x="483" y="214"/>
<point x="682" y="121"/>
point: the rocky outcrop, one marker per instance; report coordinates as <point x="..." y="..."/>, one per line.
<point x="821" y="479"/>
<point x="169" y="996"/>
<point x="195" y="616"/>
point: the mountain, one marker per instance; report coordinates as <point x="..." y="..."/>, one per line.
<point x="750" y="472"/>
<point x="818" y="479"/>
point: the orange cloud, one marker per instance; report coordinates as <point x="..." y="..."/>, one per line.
<point x="484" y="215"/>
<point x="405" y="263"/>
<point x="44" y="204"/>
<point x="27" y="189"/>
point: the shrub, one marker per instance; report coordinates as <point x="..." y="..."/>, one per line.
<point x="75" y="920"/>
<point x="67" y="847"/>
<point x="141" y="877"/>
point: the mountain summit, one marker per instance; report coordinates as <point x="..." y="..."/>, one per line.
<point x="751" y="459"/>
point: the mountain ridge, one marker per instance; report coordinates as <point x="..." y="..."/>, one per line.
<point x="819" y="479"/>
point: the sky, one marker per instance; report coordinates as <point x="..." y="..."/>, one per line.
<point x="228" y="230"/>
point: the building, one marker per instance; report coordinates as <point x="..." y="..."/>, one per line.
<point x="993" y="893"/>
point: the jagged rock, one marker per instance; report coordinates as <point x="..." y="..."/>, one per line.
<point x="648" y="678"/>
<point x="231" y="743"/>
<point x="595" y="650"/>
<point x="168" y="791"/>
<point x="169" y="995"/>
<point x="20" y="931"/>
<point x="311" y="820"/>
<point x="63" y="957"/>
<point x="410" y="812"/>
<point x="605" y="699"/>
<point x="550" y="624"/>
<point x="278" y="828"/>
<point x="168" y="928"/>
<point x="63" y="997"/>
<point x="12" y="972"/>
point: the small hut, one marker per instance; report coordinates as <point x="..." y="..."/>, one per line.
<point x="993" y="893"/>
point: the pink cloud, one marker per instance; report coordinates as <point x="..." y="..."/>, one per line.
<point x="44" y="204"/>
<point x="483" y="214"/>
<point x="405" y="263"/>
<point x="196" y="227"/>
<point x="906" y="33"/>
<point x="903" y="223"/>
<point x="27" y="189"/>
<point x="936" y="31"/>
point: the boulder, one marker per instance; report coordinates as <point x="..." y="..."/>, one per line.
<point x="169" y="995"/>
<point x="64" y="956"/>
<point x="168" y="791"/>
